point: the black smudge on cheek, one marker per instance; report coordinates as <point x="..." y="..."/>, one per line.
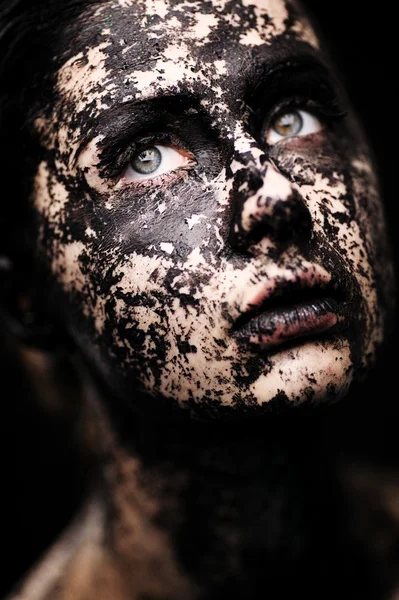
<point x="128" y="352"/>
<point x="174" y="222"/>
<point x="193" y="283"/>
<point x="182" y="216"/>
<point x="140" y="354"/>
<point x="377" y="244"/>
<point x="70" y="222"/>
<point x="302" y="158"/>
<point x="250" y="370"/>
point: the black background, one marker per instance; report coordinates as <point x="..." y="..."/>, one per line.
<point x="363" y="43"/>
<point x="39" y="490"/>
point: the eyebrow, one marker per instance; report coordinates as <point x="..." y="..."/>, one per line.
<point x="119" y="123"/>
<point x="307" y="60"/>
<point x="307" y="75"/>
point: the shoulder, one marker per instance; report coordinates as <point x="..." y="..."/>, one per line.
<point x="76" y="565"/>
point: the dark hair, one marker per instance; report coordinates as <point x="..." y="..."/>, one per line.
<point x="29" y="34"/>
<point x="30" y="55"/>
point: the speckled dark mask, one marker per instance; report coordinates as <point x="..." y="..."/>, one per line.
<point x="207" y="208"/>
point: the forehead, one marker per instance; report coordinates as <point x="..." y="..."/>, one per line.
<point x="129" y="49"/>
<point x="247" y="21"/>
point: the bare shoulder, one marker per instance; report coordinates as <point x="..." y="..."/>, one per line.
<point x="77" y="567"/>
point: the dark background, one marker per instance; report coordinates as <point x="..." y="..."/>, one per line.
<point x="363" y="43"/>
<point x="39" y="489"/>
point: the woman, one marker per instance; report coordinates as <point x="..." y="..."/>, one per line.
<point x="205" y="238"/>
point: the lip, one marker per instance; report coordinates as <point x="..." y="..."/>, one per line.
<point x="290" y="311"/>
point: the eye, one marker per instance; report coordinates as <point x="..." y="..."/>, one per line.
<point x="291" y="123"/>
<point x="151" y="161"/>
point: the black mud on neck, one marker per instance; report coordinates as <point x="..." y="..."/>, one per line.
<point x="262" y="508"/>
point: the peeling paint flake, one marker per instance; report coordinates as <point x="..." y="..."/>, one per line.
<point x="194" y="220"/>
<point x="166" y="247"/>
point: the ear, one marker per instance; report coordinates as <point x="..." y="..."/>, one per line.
<point x="22" y="314"/>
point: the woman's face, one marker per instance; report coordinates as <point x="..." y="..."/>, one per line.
<point x="208" y="213"/>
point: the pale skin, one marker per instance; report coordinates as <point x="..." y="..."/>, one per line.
<point x="256" y="196"/>
<point x="189" y="237"/>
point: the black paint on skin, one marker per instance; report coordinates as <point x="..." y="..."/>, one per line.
<point x="288" y="222"/>
<point x="151" y="294"/>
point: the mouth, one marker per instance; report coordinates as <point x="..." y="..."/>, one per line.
<point x="291" y="314"/>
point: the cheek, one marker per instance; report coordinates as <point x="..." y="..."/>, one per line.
<point x="152" y="325"/>
<point x="300" y="159"/>
<point x="58" y="248"/>
<point x="168" y="222"/>
<point x="342" y="198"/>
<point x="380" y="286"/>
<point x="116" y="257"/>
<point x="325" y="176"/>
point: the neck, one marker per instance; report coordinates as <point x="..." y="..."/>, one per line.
<point x="195" y="511"/>
<point x="223" y="508"/>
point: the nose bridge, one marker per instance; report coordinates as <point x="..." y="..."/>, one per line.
<point x="265" y="202"/>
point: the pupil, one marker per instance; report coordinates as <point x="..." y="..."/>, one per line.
<point x="147" y="161"/>
<point x="288" y="124"/>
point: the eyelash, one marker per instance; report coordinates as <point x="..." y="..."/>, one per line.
<point x="329" y="113"/>
<point x="158" y="180"/>
<point x="114" y="160"/>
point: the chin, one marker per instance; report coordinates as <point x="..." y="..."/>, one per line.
<point x="309" y="374"/>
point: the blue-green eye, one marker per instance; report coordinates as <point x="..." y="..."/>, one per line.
<point x="152" y="161"/>
<point x="147" y="161"/>
<point x="292" y="123"/>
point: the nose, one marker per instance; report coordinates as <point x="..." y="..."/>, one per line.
<point x="265" y="204"/>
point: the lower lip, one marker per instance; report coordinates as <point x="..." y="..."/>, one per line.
<point x="274" y="327"/>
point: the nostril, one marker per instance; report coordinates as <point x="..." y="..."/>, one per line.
<point x="289" y="215"/>
<point x="247" y="182"/>
<point x="289" y="220"/>
<point x="265" y="204"/>
<point x="283" y="220"/>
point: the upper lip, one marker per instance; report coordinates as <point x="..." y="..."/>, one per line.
<point x="297" y="289"/>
